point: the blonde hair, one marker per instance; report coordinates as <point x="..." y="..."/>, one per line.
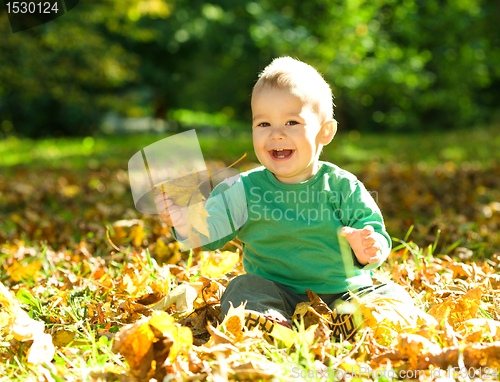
<point x="303" y="80"/>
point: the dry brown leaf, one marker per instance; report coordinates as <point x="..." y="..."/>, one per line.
<point x="135" y="343"/>
<point x="473" y="356"/>
<point x="147" y="343"/>
<point x="413" y="345"/>
<point x="255" y="370"/>
<point x="317" y="303"/>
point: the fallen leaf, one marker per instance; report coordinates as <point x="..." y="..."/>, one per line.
<point x="458" y="309"/>
<point x="183" y="296"/>
<point x="485" y="327"/>
<point x="413" y="345"/>
<point x="388" y="317"/>
<point x="217" y="264"/>
<point x="135" y="343"/>
<point x="149" y="342"/>
<point x="182" y="190"/>
<point x="181" y="336"/>
<point x="19" y="272"/>
<point x="15" y="321"/>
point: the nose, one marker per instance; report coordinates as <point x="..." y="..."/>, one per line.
<point x="277" y="133"/>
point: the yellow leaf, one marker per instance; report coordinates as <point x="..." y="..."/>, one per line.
<point x="19" y="272"/>
<point x="289" y="337"/>
<point x="135" y="282"/>
<point x="131" y="228"/>
<point x="62" y="337"/>
<point x="167" y="253"/>
<point x="182" y="337"/>
<point x="135" y="343"/>
<point x="181" y="189"/>
<point x="197" y="218"/>
<point x="218" y="264"/>
<point x="389" y="316"/>
<point x="356" y="369"/>
<point x="484" y="325"/>
<point x="70" y="191"/>
<point x="458" y="309"/>
<point x="15" y="321"/>
<point x="137" y="235"/>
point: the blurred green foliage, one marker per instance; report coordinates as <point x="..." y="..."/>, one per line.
<point x="402" y="65"/>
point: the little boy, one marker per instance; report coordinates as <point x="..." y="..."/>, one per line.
<point x="299" y="207"/>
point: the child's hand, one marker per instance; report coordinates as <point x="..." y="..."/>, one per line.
<point x="172" y="214"/>
<point x="364" y="244"/>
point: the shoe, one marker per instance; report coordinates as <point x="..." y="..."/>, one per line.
<point x="264" y="322"/>
<point x="342" y="326"/>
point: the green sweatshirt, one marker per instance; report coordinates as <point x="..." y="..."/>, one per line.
<point x="291" y="232"/>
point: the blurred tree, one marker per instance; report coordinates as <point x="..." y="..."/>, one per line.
<point x="398" y="64"/>
<point x="393" y="64"/>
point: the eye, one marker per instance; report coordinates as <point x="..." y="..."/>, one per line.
<point x="292" y="123"/>
<point x="264" y="124"/>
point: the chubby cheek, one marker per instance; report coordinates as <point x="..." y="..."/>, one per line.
<point x="258" y="146"/>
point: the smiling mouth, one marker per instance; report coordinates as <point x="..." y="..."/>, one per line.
<point x="281" y="153"/>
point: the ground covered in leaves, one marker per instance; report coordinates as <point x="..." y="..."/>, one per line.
<point x="93" y="290"/>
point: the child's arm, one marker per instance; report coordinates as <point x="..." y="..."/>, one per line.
<point x="226" y="212"/>
<point x="364" y="226"/>
<point x="365" y="243"/>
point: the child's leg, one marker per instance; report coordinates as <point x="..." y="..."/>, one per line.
<point x="389" y="289"/>
<point x="261" y="295"/>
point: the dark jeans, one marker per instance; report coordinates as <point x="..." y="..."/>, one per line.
<point x="268" y="297"/>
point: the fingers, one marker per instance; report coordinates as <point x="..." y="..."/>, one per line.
<point x="372" y="250"/>
<point x="367" y="231"/>
<point x="369" y="241"/>
<point x="167" y="210"/>
<point x="162" y="204"/>
<point x="176" y="216"/>
<point x="160" y="197"/>
<point x="347" y="231"/>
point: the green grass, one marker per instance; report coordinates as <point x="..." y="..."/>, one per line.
<point x="353" y="150"/>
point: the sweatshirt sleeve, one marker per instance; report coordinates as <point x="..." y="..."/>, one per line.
<point x="358" y="209"/>
<point x="227" y="211"/>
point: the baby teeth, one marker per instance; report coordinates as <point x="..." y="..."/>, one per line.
<point x="279" y="156"/>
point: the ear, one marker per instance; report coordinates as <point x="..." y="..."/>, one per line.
<point x="327" y="132"/>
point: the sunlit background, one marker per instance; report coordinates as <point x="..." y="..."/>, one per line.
<point x="153" y="65"/>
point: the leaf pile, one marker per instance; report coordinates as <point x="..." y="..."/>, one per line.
<point x="149" y="310"/>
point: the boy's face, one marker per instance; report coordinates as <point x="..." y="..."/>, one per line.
<point x="287" y="134"/>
